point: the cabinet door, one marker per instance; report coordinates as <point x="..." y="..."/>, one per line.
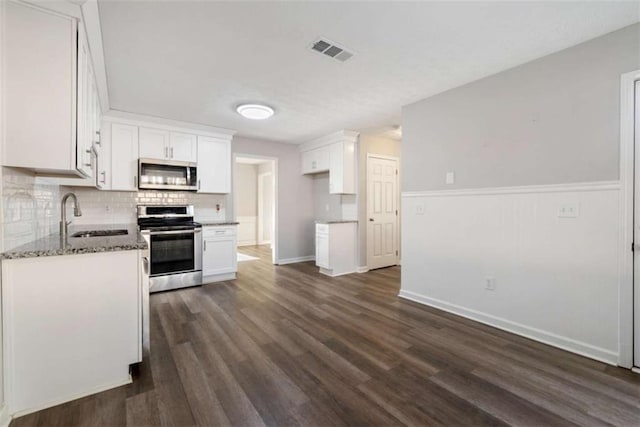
<point x="342" y="170"/>
<point x="322" y="250"/>
<point x="124" y="157"/>
<point x="154" y="143"/>
<point x="183" y="147"/>
<point x="322" y="157"/>
<point x="39" y="88"/>
<point x="315" y="161"/>
<point x="214" y="165"/>
<point x="219" y="255"/>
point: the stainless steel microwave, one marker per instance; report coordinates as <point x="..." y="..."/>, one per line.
<point x="167" y="175"/>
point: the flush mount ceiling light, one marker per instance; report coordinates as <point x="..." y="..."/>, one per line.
<point x="255" y="111"/>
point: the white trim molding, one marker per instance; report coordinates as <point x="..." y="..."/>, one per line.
<point x="124" y="117"/>
<point x="627" y="150"/>
<point x="340" y="136"/>
<point x="362" y="269"/>
<point x="5" y="418"/>
<point x="549" y="188"/>
<point x="286" y="261"/>
<point x="554" y="340"/>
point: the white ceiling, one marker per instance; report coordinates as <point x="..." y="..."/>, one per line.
<point x="196" y="60"/>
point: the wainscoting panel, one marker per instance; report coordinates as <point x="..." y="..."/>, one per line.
<point x="550" y="252"/>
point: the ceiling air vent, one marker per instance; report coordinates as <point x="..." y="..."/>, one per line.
<point x="331" y="50"/>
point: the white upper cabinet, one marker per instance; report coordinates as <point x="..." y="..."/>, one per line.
<point x="342" y="169"/>
<point x="40" y="90"/>
<point x="124" y="157"/>
<point x="214" y="165"/>
<point x="154" y="143"/>
<point x="335" y="153"/>
<point x="183" y="147"/>
<point x="166" y="145"/>
<point x="315" y="161"/>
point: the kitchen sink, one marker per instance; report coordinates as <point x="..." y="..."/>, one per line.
<point x="100" y="233"/>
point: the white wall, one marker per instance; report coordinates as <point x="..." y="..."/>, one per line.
<point x="246" y="190"/>
<point x="325" y="206"/>
<point x="296" y="230"/>
<point x="556" y="279"/>
<point x="553" y="121"/>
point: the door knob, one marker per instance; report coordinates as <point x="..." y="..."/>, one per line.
<point x="371" y="219"/>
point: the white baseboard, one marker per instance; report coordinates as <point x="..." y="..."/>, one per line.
<point x="330" y="273"/>
<point x="554" y="340"/>
<point x="635" y="370"/>
<point x="295" y="260"/>
<point x="75" y="396"/>
<point x="247" y="243"/>
<point x="362" y="269"/>
<point x="264" y="242"/>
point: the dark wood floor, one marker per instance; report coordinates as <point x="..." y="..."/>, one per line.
<point x="288" y="346"/>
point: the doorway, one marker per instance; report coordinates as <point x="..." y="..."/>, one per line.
<point x="255" y="206"/>
<point x="382" y="211"/>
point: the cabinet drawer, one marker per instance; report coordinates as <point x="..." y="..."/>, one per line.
<point x="217" y="231"/>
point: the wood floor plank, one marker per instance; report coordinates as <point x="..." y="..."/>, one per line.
<point x="288" y="346"/>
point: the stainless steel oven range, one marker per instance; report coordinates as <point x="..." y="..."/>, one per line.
<point x="175" y="246"/>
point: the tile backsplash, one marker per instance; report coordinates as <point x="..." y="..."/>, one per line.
<point x="29" y="210"/>
<point x="119" y="207"/>
<point x="32" y="210"/>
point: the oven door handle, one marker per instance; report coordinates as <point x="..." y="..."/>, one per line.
<point x="159" y="233"/>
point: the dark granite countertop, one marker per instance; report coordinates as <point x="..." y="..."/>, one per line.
<point x="335" y="221"/>
<point x="210" y="223"/>
<point x="51" y="245"/>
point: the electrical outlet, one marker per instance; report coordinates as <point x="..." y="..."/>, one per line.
<point x="420" y="209"/>
<point x="490" y="283"/>
<point x="568" y="210"/>
<point x="450" y="178"/>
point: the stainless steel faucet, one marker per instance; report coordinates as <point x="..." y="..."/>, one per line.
<point x="63" y="214"/>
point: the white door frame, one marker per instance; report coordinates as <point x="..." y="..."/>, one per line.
<point x="627" y="153"/>
<point x="366" y="205"/>
<point x="261" y="176"/>
<point x="274" y="237"/>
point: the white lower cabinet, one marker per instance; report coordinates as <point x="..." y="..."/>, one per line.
<point x="336" y="248"/>
<point x="72" y="325"/>
<point x="219" y="253"/>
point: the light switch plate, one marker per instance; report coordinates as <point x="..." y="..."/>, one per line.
<point x="420" y="209"/>
<point x="450" y="178"/>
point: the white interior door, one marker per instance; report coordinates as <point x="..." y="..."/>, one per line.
<point x="636" y="237"/>
<point x="265" y="208"/>
<point x="382" y="212"/>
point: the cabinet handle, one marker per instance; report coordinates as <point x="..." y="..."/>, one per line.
<point x="172" y="152"/>
<point x="135" y="181"/>
<point x="166" y="152"/>
<point x="198" y="184"/>
<point x="98" y="139"/>
<point x="104" y="177"/>
<point x="205" y="245"/>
